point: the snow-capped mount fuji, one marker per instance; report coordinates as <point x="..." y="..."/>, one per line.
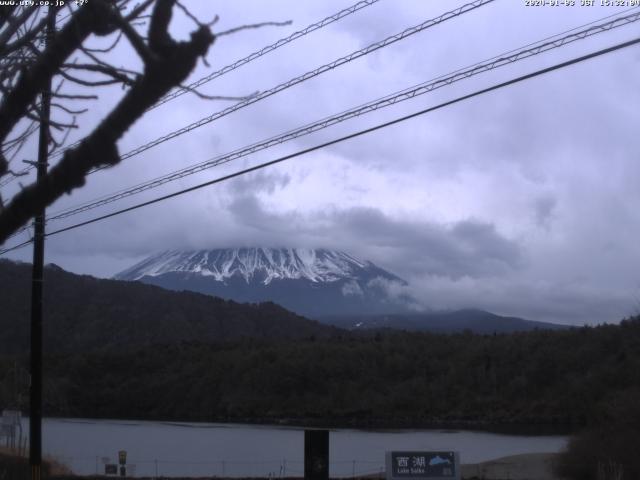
<point x="267" y="264"/>
<point x="311" y="282"/>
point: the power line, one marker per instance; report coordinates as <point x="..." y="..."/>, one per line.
<point x="311" y="74"/>
<point x="392" y="99"/>
<point x="16" y="247"/>
<point x="498" y="86"/>
<point x="263" y="51"/>
<point x="292" y="82"/>
<point x="306" y="76"/>
<point x="494" y="62"/>
<point x="420" y="89"/>
<point x="10" y="178"/>
<point x="257" y="54"/>
<point x="233" y="66"/>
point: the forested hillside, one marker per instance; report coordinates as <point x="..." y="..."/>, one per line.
<point x="83" y="313"/>
<point x="542" y="377"/>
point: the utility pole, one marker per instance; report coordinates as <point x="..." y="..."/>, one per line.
<point x="35" y="385"/>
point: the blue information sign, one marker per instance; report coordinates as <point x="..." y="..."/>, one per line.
<point x="423" y="465"/>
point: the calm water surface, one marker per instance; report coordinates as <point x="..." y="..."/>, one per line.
<point x="207" y="449"/>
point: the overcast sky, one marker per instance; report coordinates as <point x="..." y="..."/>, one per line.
<point x="523" y="201"/>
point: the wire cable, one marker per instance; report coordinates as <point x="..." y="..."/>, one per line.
<point x="299" y="153"/>
<point x="306" y="76"/>
<point x="265" y="50"/>
<point x="290" y="83"/>
<point x="420" y="89"/>
<point x="494" y="62"/>
<point x="237" y="64"/>
<point x="389" y="100"/>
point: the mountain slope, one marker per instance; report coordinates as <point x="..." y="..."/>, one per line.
<point x="255" y="264"/>
<point x="85" y="313"/>
<point x="310" y="282"/>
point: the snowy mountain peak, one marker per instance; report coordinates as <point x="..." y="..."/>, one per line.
<point x="311" y="282"/>
<point x="253" y="264"/>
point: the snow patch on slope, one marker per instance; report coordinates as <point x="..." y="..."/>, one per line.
<point x="265" y="264"/>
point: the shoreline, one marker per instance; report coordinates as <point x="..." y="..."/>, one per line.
<point x="365" y="424"/>
<point x="529" y="466"/>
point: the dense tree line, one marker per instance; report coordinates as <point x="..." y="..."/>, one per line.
<point x="608" y="446"/>
<point x="136" y="351"/>
<point x="540" y="377"/>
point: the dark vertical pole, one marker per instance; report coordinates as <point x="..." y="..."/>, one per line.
<point x="35" y="388"/>
<point x="316" y="454"/>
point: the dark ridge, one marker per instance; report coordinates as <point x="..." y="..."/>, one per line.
<point x="455" y="321"/>
<point x="83" y="313"/>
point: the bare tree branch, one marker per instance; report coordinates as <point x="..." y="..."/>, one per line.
<point x="32" y="79"/>
<point x="75" y="97"/>
<point x="159" y="39"/>
<point x="98" y="61"/>
<point x="107" y="49"/>
<point x="51" y="123"/>
<point x="6" y="13"/>
<point x="168" y="67"/>
<point x="135" y="13"/>
<point x="217" y="97"/>
<point x="29" y="36"/>
<point x="115" y="73"/>
<point x="14" y="24"/>
<point x="68" y="110"/>
<point x="252" y="26"/>
<point x="136" y="41"/>
<point x="55" y="143"/>
<point x="88" y="83"/>
<point x="186" y="11"/>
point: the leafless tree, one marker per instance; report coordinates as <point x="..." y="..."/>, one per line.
<point x="28" y="63"/>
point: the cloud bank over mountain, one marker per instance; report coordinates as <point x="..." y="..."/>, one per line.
<point x="520" y="202"/>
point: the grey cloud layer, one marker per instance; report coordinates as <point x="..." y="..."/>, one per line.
<point x="521" y="202"/>
<point x="464" y="248"/>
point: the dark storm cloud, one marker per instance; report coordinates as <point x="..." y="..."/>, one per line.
<point x="465" y="248"/>
<point x="520" y="201"/>
<point x="262" y="181"/>
<point x="548" y="300"/>
<point x="461" y="248"/>
<point x="543" y="211"/>
<point x="465" y="264"/>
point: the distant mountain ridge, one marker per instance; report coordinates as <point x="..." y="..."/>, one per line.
<point x="84" y="313"/>
<point x="310" y="282"/>
<point x="454" y="321"/>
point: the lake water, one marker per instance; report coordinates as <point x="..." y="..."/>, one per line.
<point x="207" y="449"/>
